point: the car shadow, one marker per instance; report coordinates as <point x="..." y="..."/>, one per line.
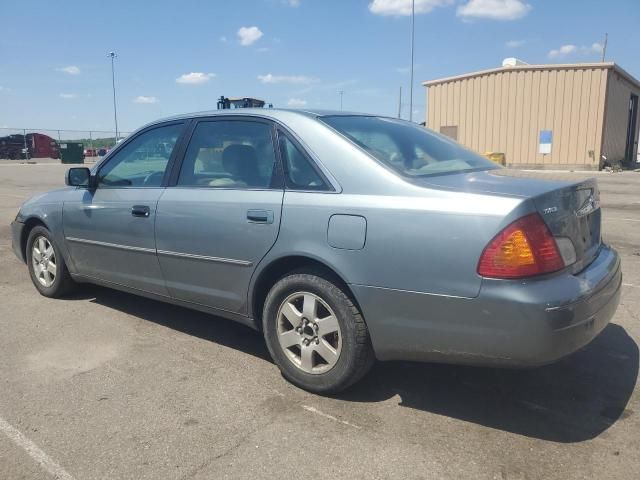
<point x="198" y="324"/>
<point x="573" y="400"/>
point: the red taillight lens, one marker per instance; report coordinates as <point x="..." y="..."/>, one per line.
<point x="523" y="249"/>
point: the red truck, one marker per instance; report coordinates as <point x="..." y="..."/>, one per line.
<point x="38" y="145"/>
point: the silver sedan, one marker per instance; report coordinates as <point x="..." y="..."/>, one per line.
<point x="344" y="238"/>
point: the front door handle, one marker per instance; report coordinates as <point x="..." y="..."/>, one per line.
<point x="260" y="216"/>
<point x="140" y="211"/>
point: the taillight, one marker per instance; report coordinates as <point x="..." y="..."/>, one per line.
<point x="523" y="249"/>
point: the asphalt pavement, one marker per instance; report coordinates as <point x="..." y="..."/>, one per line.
<point x="109" y="385"/>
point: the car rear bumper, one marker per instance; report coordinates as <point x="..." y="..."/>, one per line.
<point x="511" y="322"/>
<point x="16" y="238"/>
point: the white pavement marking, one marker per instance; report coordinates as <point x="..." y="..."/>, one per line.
<point x="330" y="417"/>
<point x="34" y="451"/>
<point x="630" y="285"/>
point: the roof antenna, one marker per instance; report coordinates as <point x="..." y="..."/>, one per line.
<point x="604" y="47"/>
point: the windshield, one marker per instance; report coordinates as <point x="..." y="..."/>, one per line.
<point x="408" y="148"/>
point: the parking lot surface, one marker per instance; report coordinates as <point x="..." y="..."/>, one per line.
<point x="109" y="385"/>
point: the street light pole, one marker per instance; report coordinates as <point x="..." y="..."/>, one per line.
<point x="341" y="92"/>
<point x="113" y="56"/>
<point x="413" y="18"/>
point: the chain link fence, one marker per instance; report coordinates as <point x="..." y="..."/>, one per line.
<point x="28" y="143"/>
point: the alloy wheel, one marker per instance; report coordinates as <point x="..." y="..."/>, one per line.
<point x="43" y="259"/>
<point x="309" y="332"/>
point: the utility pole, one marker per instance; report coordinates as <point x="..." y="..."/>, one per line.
<point x="413" y="21"/>
<point x="400" y="104"/>
<point x="604" y="47"/>
<point x="341" y="92"/>
<point x="113" y="56"/>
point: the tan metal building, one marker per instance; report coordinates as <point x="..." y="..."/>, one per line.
<point x="541" y="116"/>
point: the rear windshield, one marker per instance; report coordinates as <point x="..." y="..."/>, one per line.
<point x="408" y="148"/>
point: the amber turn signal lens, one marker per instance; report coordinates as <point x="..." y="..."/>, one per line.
<point x="525" y="248"/>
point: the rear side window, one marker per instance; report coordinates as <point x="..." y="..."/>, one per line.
<point x="299" y="172"/>
<point x="230" y="154"/>
<point x="409" y="149"/>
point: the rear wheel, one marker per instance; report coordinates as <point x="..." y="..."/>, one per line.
<point x="315" y="334"/>
<point x="48" y="271"/>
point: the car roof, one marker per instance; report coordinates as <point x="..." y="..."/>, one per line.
<point x="272" y="113"/>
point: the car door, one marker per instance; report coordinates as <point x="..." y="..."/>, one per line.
<point x="223" y="213"/>
<point x="109" y="228"/>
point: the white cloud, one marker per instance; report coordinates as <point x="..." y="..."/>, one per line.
<point x="567" y="50"/>
<point x="296" y="102"/>
<point x="563" y="51"/>
<point x="515" y="43"/>
<point x="195" y="78"/>
<point x="70" y="70"/>
<point x="403" y="7"/>
<point x="249" y="35"/>
<point x="262" y="49"/>
<point x="223" y="39"/>
<point x="293" y="3"/>
<point x="293" y="79"/>
<point x="68" y="96"/>
<point x="145" y="99"/>
<point x="494" y="9"/>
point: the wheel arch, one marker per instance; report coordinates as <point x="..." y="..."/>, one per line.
<point x="278" y="268"/>
<point x="29" y="224"/>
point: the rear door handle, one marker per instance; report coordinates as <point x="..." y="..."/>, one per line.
<point x="260" y="216"/>
<point x="140" y="211"/>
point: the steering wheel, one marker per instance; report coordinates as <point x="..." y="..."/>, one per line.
<point x="153" y="177"/>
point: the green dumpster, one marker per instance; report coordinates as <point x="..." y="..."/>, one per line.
<point x="72" y="152"/>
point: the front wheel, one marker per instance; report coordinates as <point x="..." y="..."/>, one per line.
<point x="315" y="334"/>
<point x="48" y="271"/>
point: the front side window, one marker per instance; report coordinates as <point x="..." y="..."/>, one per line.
<point x="229" y="154"/>
<point x="142" y="161"/>
<point x="409" y="149"/>
<point x="299" y="172"/>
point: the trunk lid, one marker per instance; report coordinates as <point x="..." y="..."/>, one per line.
<point x="574" y="212"/>
<point x="569" y="206"/>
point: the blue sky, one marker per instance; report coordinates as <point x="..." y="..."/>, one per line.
<point x="176" y="57"/>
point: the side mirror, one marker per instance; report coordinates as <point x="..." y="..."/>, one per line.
<point x="78" y="177"/>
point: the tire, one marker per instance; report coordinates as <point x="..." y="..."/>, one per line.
<point x="42" y="253"/>
<point x="301" y="350"/>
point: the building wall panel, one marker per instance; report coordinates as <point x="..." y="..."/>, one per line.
<point x="592" y="144"/>
<point x="511" y="115"/>
<point x="505" y="110"/>
<point x="599" y="129"/>
<point x="463" y="127"/>
<point x="455" y="119"/>
<point x="527" y="120"/>
<point x="532" y="148"/>
<point x="582" y="101"/>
